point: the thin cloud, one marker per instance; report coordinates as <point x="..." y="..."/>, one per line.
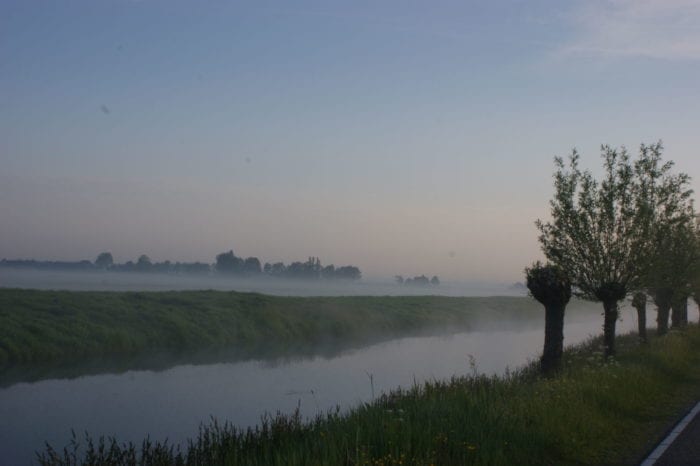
<point x="658" y="29"/>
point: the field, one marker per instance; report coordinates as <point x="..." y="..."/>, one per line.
<point x="52" y="327"/>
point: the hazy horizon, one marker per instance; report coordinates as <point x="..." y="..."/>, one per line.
<point x="401" y="137"/>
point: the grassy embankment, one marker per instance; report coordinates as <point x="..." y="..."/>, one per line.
<point x="591" y="413"/>
<point x="45" y="327"/>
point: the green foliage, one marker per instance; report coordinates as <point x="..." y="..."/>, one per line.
<point x="632" y="231"/>
<point x="594" y="234"/>
<point x="548" y="284"/>
<point x="667" y="216"/>
<point x="588" y="414"/>
<point x="677" y="261"/>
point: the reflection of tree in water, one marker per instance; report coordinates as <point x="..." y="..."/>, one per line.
<point x="268" y="355"/>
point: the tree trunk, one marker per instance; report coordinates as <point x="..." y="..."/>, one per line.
<point x="610" y="319"/>
<point x="675" y="316"/>
<point x="683" y="312"/>
<point x="663" y="298"/>
<point x="553" y="338"/>
<point x="642" y="323"/>
<point x="676" y="313"/>
<point x="640" y="304"/>
<point x="662" y="319"/>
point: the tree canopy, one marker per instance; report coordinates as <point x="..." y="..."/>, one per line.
<point x="595" y="234"/>
<point x="631" y="231"/>
<point x="104" y="260"/>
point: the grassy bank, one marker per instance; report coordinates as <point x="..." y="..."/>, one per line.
<point x="592" y="413"/>
<point x="57" y="326"/>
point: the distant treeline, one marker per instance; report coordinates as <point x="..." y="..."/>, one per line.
<point x="421" y="280"/>
<point x="227" y="263"/>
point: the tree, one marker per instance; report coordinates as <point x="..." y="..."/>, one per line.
<point x="295" y="270"/>
<point x="685" y="256"/>
<point x="251" y="266"/>
<point x="594" y="233"/>
<point x="696" y="272"/>
<point x="348" y="272"/>
<point x="666" y="216"/>
<point x="435" y="280"/>
<point x="104" y="260"/>
<point x="421" y="280"/>
<point x="674" y="263"/>
<point x="663" y="298"/>
<point x="278" y="269"/>
<point x="639" y="302"/>
<point x="144" y="263"/>
<point x="696" y="293"/>
<point x="191" y="268"/>
<point x="228" y="263"/>
<point x="163" y="267"/>
<point x="312" y="268"/>
<point x="328" y="271"/>
<point x="549" y="285"/>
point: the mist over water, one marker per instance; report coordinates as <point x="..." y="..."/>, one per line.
<point x="134" y="281"/>
<point x="170" y="404"/>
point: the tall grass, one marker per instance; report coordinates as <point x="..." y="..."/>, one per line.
<point x="44" y="326"/>
<point x="593" y="412"/>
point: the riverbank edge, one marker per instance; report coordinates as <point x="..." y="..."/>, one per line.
<point x="39" y="327"/>
<point x="593" y="412"/>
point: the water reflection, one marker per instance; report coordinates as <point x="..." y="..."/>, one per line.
<point x="171" y="403"/>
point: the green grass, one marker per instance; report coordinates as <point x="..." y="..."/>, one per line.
<point x="591" y="413"/>
<point x="40" y="327"/>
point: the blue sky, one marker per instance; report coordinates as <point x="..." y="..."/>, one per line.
<point x="403" y="137"/>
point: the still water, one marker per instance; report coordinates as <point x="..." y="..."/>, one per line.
<point x="172" y="403"/>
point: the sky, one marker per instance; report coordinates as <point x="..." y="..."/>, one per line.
<point x="402" y="137"/>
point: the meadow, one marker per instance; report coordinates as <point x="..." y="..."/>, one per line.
<point x="40" y="327"/>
